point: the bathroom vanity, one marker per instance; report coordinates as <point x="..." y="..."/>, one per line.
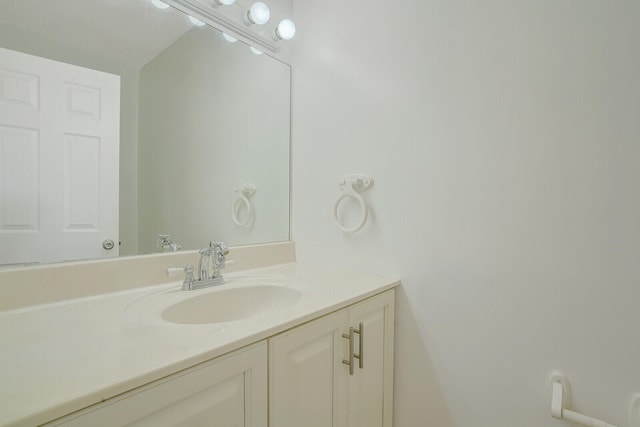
<point x="282" y="345"/>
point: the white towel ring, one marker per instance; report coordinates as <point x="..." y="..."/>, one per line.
<point x="351" y="188"/>
<point x="241" y="198"/>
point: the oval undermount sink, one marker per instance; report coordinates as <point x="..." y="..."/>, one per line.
<point x="231" y="304"/>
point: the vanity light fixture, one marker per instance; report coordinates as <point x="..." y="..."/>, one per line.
<point x="285" y="30"/>
<point x="229" y="38"/>
<point x="196" y="22"/>
<point x="159" y="4"/>
<point x="258" y="14"/>
<point x="243" y="21"/>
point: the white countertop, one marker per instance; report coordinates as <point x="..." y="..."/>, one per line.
<point x="60" y="357"/>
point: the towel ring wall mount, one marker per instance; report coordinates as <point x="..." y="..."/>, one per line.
<point x="241" y="197"/>
<point x="351" y="187"/>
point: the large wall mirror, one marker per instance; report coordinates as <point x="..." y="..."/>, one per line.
<point x="201" y="144"/>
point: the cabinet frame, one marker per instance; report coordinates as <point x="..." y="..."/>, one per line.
<point x="362" y="399"/>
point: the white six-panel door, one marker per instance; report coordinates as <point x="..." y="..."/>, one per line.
<point x="59" y="149"/>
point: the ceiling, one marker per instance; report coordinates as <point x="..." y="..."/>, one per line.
<point x="128" y="31"/>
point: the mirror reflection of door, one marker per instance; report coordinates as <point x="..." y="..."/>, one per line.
<point x="59" y="149"/>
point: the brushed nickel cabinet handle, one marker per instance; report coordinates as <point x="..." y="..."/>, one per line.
<point x="360" y="356"/>
<point x="352" y="352"/>
<point x="349" y="362"/>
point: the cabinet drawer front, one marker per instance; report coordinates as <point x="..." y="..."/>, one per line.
<point x="230" y="391"/>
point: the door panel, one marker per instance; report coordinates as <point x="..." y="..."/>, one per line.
<point x="19" y="201"/>
<point x="81" y="207"/>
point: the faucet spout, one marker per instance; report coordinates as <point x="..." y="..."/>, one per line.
<point x="204" y="266"/>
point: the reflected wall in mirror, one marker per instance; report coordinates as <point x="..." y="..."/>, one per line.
<point x="201" y="119"/>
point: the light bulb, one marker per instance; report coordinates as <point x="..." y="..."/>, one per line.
<point x="228" y="38"/>
<point x="196" y="22"/>
<point x="256" y="51"/>
<point x="159" y="4"/>
<point x="286" y="29"/>
<point x="258" y="13"/>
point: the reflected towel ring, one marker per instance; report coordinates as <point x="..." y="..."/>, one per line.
<point x="240" y="199"/>
<point x="351" y="188"/>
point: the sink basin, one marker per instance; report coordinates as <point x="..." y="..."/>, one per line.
<point x="231" y="304"/>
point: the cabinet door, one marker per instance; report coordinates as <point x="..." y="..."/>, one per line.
<point x="306" y="375"/>
<point x="370" y="388"/>
<point x="230" y="391"/>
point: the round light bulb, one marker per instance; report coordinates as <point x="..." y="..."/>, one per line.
<point x="259" y="13"/>
<point x="196" y="22"/>
<point x="228" y="38"/>
<point x="286" y="29"/>
<point x="255" y="51"/>
<point x="159" y="4"/>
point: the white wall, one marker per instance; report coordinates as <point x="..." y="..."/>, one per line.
<point x="504" y="138"/>
<point x="213" y="117"/>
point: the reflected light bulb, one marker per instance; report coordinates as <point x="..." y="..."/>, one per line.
<point x="159" y="4"/>
<point x="286" y="29"/>
<point x="225" y="2"/>
<point x="228" y="38"/>
<point x="196" y="22"/>
<point x="256" y="51"/>
<point x="259" y="13"/>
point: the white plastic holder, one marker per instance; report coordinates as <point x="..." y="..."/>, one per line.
<point x="560" y="398"/>
<point x="351" y="187"/>
<point x="634" y="410"/>
<point x="241" y="198"/>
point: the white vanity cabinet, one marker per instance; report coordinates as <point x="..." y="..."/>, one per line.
<point x="311" y="386"/>
<point x="296" y="378"/>
<point x="230" y="391"/>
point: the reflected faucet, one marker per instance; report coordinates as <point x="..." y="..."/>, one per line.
<point x="166" y="245"/>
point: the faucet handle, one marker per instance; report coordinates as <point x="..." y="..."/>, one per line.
<point x="220" y="250"/>
<point x="187" y="284"/>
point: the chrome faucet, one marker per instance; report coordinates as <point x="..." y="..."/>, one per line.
<point x="212" y="261"/>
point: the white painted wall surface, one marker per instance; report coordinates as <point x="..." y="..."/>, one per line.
<point x="504" y="138"/>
